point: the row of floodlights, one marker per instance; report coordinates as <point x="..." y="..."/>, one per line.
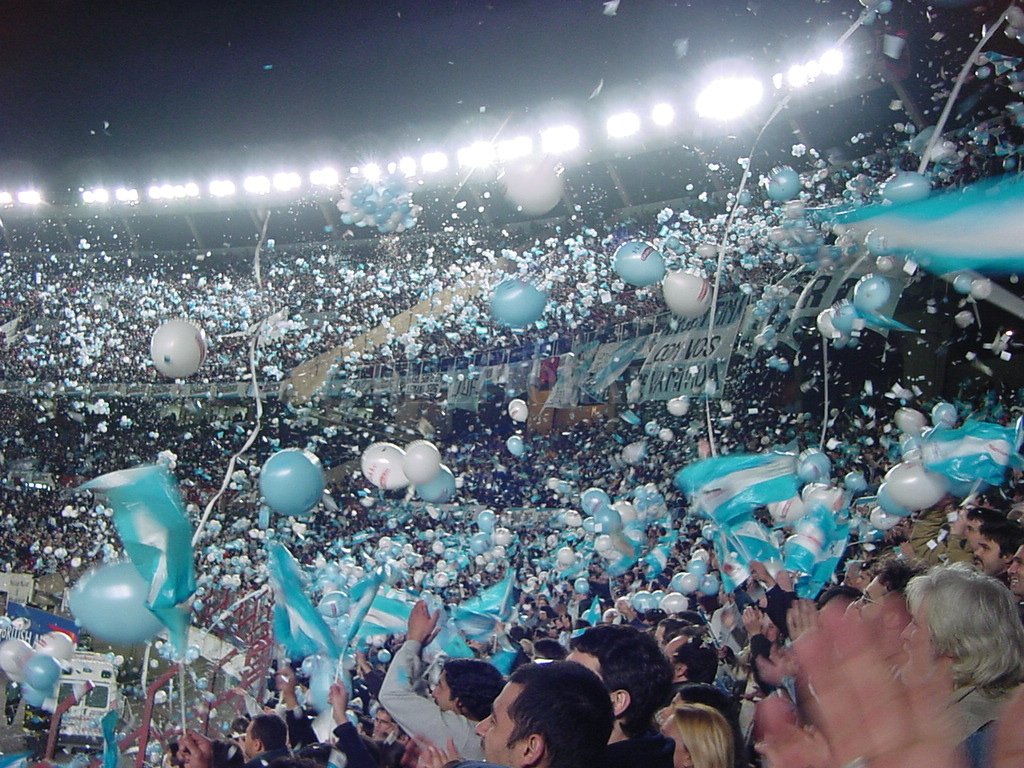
<point x="724" y="98"/>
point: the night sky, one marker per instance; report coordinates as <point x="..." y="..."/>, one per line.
<point x="96" y="89"/>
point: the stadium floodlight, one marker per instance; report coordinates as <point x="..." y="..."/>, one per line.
<point x="222" y="188"/>
<point x="729" y="97"/>
<point x="662" y="114"/>
<point x="98" y="195"/>
<point x="128" y="195"/>
<point x="191" y="189"/>
<point x="622" y="125"/>
<point x="797" y="76"/>
<point x="559" y="139"/>
<point x="256" y="185"/>
<point x="514" y="149"/>
<point x="831" y="61"/>
<point x="6" y="198"/>
<point x="323" y="177"/>
<point x="371" y="172"/>
<point x="287" y="181"/>
<point x="479" y="154"/>
<point x="433" y="162"/>
<point x="813" y="69"/>
<point x="30" y="197"/>
<point x="407" y="167"/>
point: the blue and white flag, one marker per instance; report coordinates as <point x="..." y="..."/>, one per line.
<point x="298" y="626"/>
<point x="977" y="452"/>
<point x="157" y="536"/>
<point x="388" y="614"/>
<point x="362" y="596"/>
<point x="730" y="488"/>
<point x="16" y="760"/>
<point x="477" y="617"/>
<point x="593" y="614"/>
<point x="598" y="381"/>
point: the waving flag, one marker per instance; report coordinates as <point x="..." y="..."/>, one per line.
<point x="387" y="615"/>
<point x="17" y="760"/>
<point x="977" y="451"/>
<point x="362" y="595"/>
<point x="150" y="518"/>
<point x="598" y="381"/>
<point x="298" y="626"/>
<point x="730" y="488"/>
<point x="477" y="617"/>
<point x="593" y="614"/>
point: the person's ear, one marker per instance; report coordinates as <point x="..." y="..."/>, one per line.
<point x="533" y="750"/>
<point x="620" y="702"/>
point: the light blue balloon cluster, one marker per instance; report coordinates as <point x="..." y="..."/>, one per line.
<point x="386" y="205"/>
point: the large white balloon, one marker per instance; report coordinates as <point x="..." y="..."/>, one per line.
<point x="518" y="410"/>
<point x="535" y="186"/>
<point x="382" y="465"/>
<point x="788" y="511"/>
<point x="422" y="461"/>
<point x="910" y="422"/>
<point x="914" y="487"/>
<point x="674" y="602"/>
<point x="178" y="348"/>
<point x="679" y="406"/>
<point x="14" y="652"/>
<point x="56" y="644"/>
<point x="686" y="294"/>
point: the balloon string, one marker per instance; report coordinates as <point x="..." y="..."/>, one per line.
<point x="824" y="376"/>
<point x="736" y="205"/>
<point x="926" y="156"/>
<point x="259" y="247"/>
<point x="248" y="443"/>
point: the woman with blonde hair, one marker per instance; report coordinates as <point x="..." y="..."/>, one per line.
<point x="703" y="737"/>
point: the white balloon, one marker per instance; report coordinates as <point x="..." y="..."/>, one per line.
<point x="566" y="557"/>
<point x="825" y="326"/>
<point x="824" y="495"/>
<point x="534" y="186"/>
<point x="674" y="602"/>
<point x="422" y="461"/>
<point x="604" y="544"/>
<point x="382" y="465"/>
<point x="882" y="520"/>
<point x="502" y="537"/>
<point x="910" y="422"/>
<point x="56" y="644"/>
<point x="689" y="583"/>
<point x="626" y="511"/>
<point x="14" y="652"/>
<point x="913" y="487"/>
<point x="178" y="348"/>
<point x="686" y="294"/>
<point x="666" y="435"/>
<point x="788" y="511"/>
<point x="518" y="410"/>
<point x="679" y="406"/>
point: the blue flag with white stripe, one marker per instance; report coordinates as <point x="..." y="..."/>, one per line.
<point x="593" y="613"/>
<point x="979" y="451"/>
<point x="730" y="488"/>
<point x="298" y="626"/>
<point x="477" y="617"/>
<point x="388" y="614"/>
<point x="362" y="596"/>
<point x="623" y="357"/>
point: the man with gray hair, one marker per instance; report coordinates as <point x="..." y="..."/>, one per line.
<point x="977" y="638"/>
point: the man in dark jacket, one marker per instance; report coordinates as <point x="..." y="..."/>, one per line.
<point x="266" y="739"/>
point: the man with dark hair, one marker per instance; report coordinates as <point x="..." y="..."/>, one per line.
<point x="995" y="546"/>
<point x="462" y="697"/>
<point x="555" y="715"/>
<point x="694" y="663"/>
<point x="266" y="739"/>
<point x="638" y="678"/>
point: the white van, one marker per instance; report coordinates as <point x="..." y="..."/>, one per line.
<point x="81" y="723"/>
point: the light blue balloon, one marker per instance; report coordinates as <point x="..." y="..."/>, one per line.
<point x="480" y="543"/>
<point x="440" y="489"/>
<point x="698" y="566"/>
<point x="855" y="482"/>
<point x="813" y="466"/>
<point x="515" y="445"/>
<point x="639" y="264"/>
<point x="593" y="499"/>
<point x="871" y="293"/>
<point x="962" y="284"/>
<point x="35" y="697"/>
<point x="383" y="656"/>
<point x="110" y="603"/>
<point x="651" y="428"/>
<point x="910" y="447"/>
<point x="944" y="415"/>
<point x="709" y="585"/>
<point x="334" y="605"/>
<point x="607" y="520"/>
<point x="292" y="481"/>
<point x="589" y="524"/>
<point x="888" y="504"/>
<point x="783" y="184"/>
<point x="906" y="187"/>
<point x="581" y="586"/>
<point x="676" y="585"/>
<point x="517" y="304"/>
<point x="41" y="672"/>
<point x="485" y="520"/>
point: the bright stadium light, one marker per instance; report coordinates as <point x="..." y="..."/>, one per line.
<point x="371" y="172"/>
<point x="6" y="198"/>
<point x="285" y="182"/>
<point x="433" y="162"/>
<point x="256" y="185"/>
<point x="479" y="154"/>
<point x="323" y="177"/>
<point x="30" y="197"/>
<point x="191" y="189"/>
<point x="514" y="149"/>
<point x="127" y="195"/>
<point x="559" y="140"/>
<point x="729" y="97"/>
<point x="98" y="195"/>
<point x="831" y="61"/>
<point x="407" y="167"/>
<point x="622" y="125"/>
<point x="797" y="76"/>
<point x="222" y="188"/>
<point x="662" y="114"/>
